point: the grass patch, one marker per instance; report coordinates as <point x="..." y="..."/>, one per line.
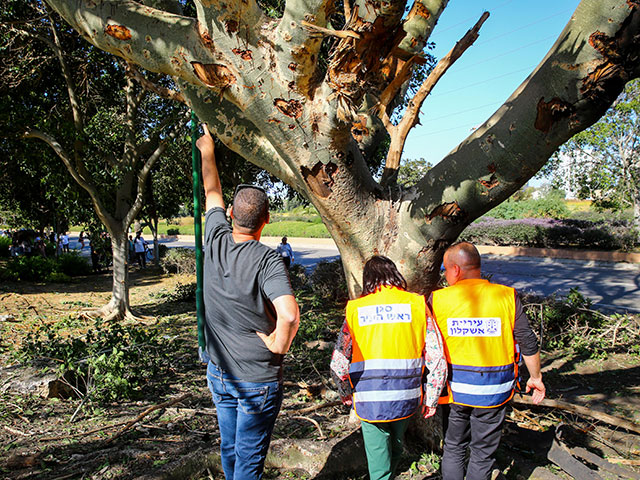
<point x="296" y="228"/>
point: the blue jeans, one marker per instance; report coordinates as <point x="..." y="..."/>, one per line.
<point x="246" y="413"/>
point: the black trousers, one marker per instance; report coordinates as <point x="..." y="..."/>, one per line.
<point x="477" y="428"/>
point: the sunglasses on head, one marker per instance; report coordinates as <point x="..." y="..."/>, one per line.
<point x="242" y="186"/>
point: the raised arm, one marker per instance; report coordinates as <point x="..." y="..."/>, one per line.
<point x="210" y="177"/>
<point x="286" y="325"/>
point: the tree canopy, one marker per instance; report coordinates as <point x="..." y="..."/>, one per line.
<point x="602" y="163"/>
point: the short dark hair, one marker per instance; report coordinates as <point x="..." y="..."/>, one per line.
<point x="250" y="208"/>
<point x="380" y="271"/>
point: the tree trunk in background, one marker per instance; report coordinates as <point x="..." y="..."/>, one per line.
<point x="118" y="306"/>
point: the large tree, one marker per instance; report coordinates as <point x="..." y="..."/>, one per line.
<point x="309" y="95"/>
<point x="602" y="163"/>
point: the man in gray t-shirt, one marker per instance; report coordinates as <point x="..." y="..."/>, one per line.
<point x="251" y="320"/>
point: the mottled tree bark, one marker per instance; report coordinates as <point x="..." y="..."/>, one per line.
<point x="258" y="84"/>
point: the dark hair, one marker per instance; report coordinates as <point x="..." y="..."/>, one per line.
<point x="250" y="209"/>
<point x="380" y="271"/>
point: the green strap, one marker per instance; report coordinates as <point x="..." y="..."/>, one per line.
<point x="197" y="221"/>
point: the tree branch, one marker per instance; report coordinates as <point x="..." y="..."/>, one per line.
<point x="68" y="78"/>
<point x="164" y="92"/>
<point x="144" y="171"/>
<point x="419" y="24"/>
<point x="410" y="119"/>
<point x="570" y="89"/>
<point x="82" y="180"/>
<point x="321" y="31"/>
<point x="244" y="138"/>
<point x="154" y="39"/>
<point x="298" y="63"/>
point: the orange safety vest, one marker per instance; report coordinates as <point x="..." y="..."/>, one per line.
<point x="388" y="330"/>
<point x="476" y="319"/>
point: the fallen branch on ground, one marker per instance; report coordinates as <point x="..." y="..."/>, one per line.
<point x="580" y="410"/>
<point x="298" y="417"/>
<point x="604" y="464"/>
<point x="153" y="408"/>
<point x="314" y="407"/>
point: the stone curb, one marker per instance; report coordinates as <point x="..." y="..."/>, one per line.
<point x="583" y="255"/>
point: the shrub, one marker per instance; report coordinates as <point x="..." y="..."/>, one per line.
<point x="162" y="250"/>
<point x="531" y="232"/>
<point x="73" y="264"/>
<point x="32" y="269"/>
<point x="552" y="206"/>
<point x="173" y="231"/>
<point x="5" y="246"/>
<point x="328" y="280"/>
<point x="571" y="323"/>
<point x="182" y="292"/>
<point x="179" y="260"/>
<point x="57" y="277"/>
<point x="298" y="276"/>
<point x="41" y="269"/>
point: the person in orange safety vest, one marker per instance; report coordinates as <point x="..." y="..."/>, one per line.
<point x="485" y="329"/>
<point x="388" y="362"/>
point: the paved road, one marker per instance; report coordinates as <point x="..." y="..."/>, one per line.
<point x="612" y="286"/>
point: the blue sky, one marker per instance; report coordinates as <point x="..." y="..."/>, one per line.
<point x="512" y="42"/>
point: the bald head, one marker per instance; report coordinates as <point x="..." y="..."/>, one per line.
<point x="461" y="260"/>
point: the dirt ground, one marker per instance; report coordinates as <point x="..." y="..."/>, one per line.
<point x="68" y="438"/>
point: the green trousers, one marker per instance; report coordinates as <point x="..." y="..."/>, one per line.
<point x="383" y="445"/>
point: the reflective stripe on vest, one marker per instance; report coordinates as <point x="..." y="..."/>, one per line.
<point x="476" y="319"/>
<point x="388" y="333"/>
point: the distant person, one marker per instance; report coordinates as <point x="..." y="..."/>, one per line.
<point x="95" y="258"/>
<point x="251" y="320"/>
<point x="81" y="240"/>
<point x="286" y="252"/>
<point x="64" y="240"/>
<point x="388" y="361"/>
<point x="140" y="245"/>
<point x="132" y="250"/>
<point x="484" y="328"/>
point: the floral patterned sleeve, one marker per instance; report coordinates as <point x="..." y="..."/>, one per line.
<point x="435" y="363"/>
<point x="340" y="362"/>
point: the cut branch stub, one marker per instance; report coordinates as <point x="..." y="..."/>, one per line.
<point x="491" y="183"/>
<point x="550" y="112"/>
<point x="447" y="211"/>
<point x="620" y="56"/>
<point x="319" y="178"/>
<point x="359" y="129"/>
<point x="231" y="26"/>
<point x="419" y="10"/>
<point x="118" y="31"/>
<point x="213" y="74"/>
<point x="291" y="108"/>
